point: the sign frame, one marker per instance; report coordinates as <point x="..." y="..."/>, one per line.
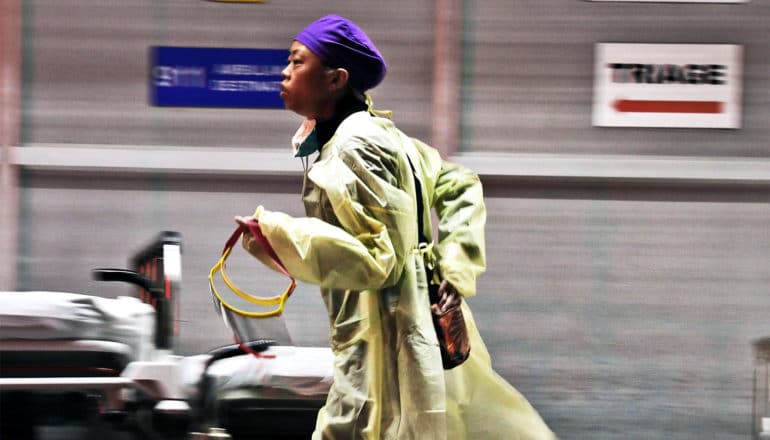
<point x="667" y="85"/>
<point x="216" y="77"/>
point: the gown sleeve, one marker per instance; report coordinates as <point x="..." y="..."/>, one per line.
<point x="459" y="203"/>
<point x="364" y="247"/>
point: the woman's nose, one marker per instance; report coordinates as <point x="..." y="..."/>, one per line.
<point x="285" y="71"/>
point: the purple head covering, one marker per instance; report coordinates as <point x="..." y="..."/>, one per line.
<point x="341" y="43"/>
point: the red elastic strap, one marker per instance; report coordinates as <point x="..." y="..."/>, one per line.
<point x="245" y="348"/>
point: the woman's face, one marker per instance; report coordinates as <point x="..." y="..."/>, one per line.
<point x="305" y="86"/>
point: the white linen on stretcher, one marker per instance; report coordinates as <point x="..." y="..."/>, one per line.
<point x="45" y="316"/>
<point x="294" y="372"/>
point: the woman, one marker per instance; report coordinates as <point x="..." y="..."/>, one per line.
<point x="359" y="243"/>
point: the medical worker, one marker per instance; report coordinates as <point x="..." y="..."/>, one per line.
<point x="359" y="243"/>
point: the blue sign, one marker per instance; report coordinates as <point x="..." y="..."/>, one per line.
<point x="216" y="77"/>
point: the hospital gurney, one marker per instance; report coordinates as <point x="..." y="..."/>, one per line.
<point x="276" y="397"/>
<point x="107" y="365"/>
<point x="74" y="365"/>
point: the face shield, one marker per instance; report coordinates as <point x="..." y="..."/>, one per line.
<point x="250" y="306"/>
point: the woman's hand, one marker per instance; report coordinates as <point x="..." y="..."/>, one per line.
<point x="448" y="296"/>
<point x="242" y="220"/>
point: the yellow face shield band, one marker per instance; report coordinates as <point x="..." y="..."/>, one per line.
<point x="232" y="315"/>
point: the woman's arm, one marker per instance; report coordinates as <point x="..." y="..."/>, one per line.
<point x="459" y="202"/>
<point x="366" y="250"/>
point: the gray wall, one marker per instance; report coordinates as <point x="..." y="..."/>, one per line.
<point x="621" y="308"/>
<point x="86" y="67"/>
<point x="531" y="71"/>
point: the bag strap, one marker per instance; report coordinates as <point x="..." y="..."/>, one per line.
<point x="423" y="240"/>
<point x="279" y="301"/>
<point x="418" y="197"/>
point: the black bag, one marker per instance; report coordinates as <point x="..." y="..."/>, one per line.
<point x="451" y="331"/>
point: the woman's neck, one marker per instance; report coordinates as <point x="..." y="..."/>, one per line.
<point x="345" y="107"/>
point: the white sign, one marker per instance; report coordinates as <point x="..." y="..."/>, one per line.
<point x="674" y="1"/>
<point x="667" y="85"/>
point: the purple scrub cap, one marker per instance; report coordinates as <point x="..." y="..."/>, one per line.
<point x="341" y="43"/>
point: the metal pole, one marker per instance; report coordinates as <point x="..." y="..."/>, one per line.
<point x="446" y="76"/>
<point x="10" y="121"/>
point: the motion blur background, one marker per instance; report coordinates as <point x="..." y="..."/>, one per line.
<point x="628" y="267"/>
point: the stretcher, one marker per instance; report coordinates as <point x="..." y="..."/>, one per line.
<point x="82" y="366"/>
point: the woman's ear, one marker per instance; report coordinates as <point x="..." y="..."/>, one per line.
<point x="339" y="78"/>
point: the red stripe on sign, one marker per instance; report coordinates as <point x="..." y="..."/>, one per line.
<point x="636" y="106"/>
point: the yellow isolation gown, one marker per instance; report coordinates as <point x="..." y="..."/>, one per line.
<point x="359" y="243"/>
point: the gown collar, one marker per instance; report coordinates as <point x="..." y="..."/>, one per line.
<point x="320" y="132"/>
